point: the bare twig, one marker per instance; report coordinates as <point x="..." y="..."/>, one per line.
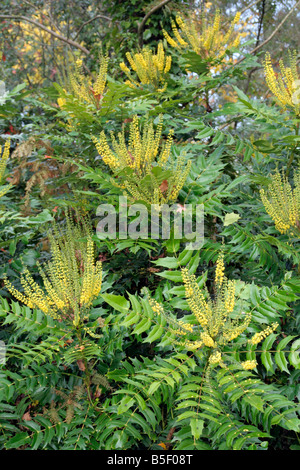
<point x="276" y="29"/>
<point x="260" y="25"/>
<point x="250" y="6"/>
<point x="142" y="23"/>
<point x="271" y="35"/>
<point x="90" y="21"/>
<point x="53" y="33"/>
<point x="261" y="19"/>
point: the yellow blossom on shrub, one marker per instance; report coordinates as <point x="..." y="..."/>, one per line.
<point x="4" y="152"/>
<point x="150" y="69"/>
<point x="216" y="318"/>
<point x="141" y="164"/>
<point x="71" y="279"/>
<point x="282" y="203"/>
<point x="285" y="84"/>
<point x="249" y="365"/>
<point x="86" y="89"/>
<point x="215" y="358"/>
<point x="212" y="313"/>
<point x="261" y="335"/>
<point x="205" y="38"/>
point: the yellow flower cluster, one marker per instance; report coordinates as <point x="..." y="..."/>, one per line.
<point x="83" y="88"/>
<point x="156" y="307"/>
<point x="218" y="324"/>
<point x="249" y="365"/>
<point x="206" y="39"/>
<point x="230" y="296"/>
<point x="71" y="279"/>
<point x="61" y="101"/>
<point x="215" y="358"/>
<point x="183" y="329"/>
<point x="195" y="298"/>
<point x="142" y="149"/>
<point x="151" y="69"/>
<point x="207" y="340"/>
<point x="192" y="345"/>
<point x="260" y="336"/>
<point x="4" y="152"/>
<point x="285" y="85"/>
<point x="282" y="203"/>
<point x="139" y="156"/>
<point x="212" y="313"/>
<point x="220" y="268"/>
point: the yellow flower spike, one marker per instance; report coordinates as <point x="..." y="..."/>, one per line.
<point x="203" y="37"/>
<point x="230" y="297"/>
<point x="237" y="18"/>
<point x="104" y="151"/>
<point x="142" y="151"/>
<point x="176" y="33"/>
<point x="207" y="340"/>
<point x="71" y="279"/>
<point x="211" y="323"/>
<point x="61" y="102"/>
<point x="195" y="297"/>
<point x="18" y="295"/>
<point x="192" y="345"/>
<point x="86" y="90"/>
<point x="155" y="306"/>
<point x="258" y="337"/>
<point x="168" y="64"/>
<point x="219" y="276"/>
<point x="99" y="86"/>
<point x="285" y="84"/>
<point x="130" y="60"/>
<point x="215" y="358"/>
<point x="149" y="68"/>
<point x="169" y="39"/>
<point x="4" y="155"/>
<point x="282" y="203"/>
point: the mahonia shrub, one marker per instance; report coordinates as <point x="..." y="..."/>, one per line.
<point x="142" y="166"/>
<point x="217" y="321"/>
<point x="211" y="363"/>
